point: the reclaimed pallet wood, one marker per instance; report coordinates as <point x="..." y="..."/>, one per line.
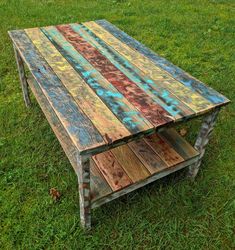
<point x="151" y="110"/>
<point x="192" y="99"/>
<point x="166" y="99"/>
<point x="176" y="72"/>
<point x="90" y="104"/>
<point x="78" y="126"/>
<point x="124" y="110"/>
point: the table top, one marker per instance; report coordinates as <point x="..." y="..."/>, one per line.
<point x="105" y="87"/>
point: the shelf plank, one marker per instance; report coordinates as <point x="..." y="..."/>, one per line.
<point x="112" y="170"/>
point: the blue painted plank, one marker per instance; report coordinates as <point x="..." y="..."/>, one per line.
<point x="128" y="115"/>
<point x="78" y="126"/>
<point x="180" y="75"/>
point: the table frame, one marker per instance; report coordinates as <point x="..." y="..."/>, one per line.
<point x="83" y="161"/>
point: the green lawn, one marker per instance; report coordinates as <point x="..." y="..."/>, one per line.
<point x="172" y="213"/>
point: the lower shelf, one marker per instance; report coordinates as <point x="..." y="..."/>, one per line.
<point x="131" y="166"/>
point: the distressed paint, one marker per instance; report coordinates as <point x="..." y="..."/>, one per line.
<point x="203" y="139"/>
<point x="151" y="110"/>
<point x="185" y="94"/>
<point x="78" y="126"/>
<point x="23" y="81"/>
<point x="167" y="100"/>
<point x="180" y="75"/>
<point x="88" y="101"/>
<point x="124" y="111"/>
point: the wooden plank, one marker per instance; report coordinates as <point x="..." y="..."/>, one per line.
<point x="78" y="126"/>
<point x="87" y="100"/>
<point x="166" y="99"/>
<point x="130" y="163"/>
<point x="123" y="110"/>
<point x="176" y="72"/>
<point x="147" y="156"/>
<point x="164" y="150"/>
<point x="99" y="186"/>
<point x="112" y="170"/>
<point x="144" y="182"/>
<point x="194" y="100"/>
<point x="144" y="103"/>
<point x="180" y="145"/>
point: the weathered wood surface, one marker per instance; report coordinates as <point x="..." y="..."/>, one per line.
<point x="112" y="170"/>
<point x="164" y="150"/>
<point x="23" y="81"/>
<point x="194" y="100"/>
<point x="78" y="126"/>
<point x="142" y="183"/>
<point x="125" y="111"/>
<point x="87" y="100"/>
<point x="166" y="99"/>
<point x="180" y="75"/>
<point x="150" y="109"/>
<point x="203" y="139"/>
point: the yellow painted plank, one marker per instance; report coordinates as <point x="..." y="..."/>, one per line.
<point x="194" y="100"/>
<point x="104" y="120"/>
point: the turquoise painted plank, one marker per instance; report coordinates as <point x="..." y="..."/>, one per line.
<point x="180" y="75"/>
<point x="131" y="118"/>
<point x="160" y="95"/>
<point x="78" y="126"/>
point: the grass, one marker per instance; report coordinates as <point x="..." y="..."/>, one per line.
<point x="169" y="214"/>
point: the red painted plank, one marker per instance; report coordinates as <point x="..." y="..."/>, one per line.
<point x="151" y="110"/>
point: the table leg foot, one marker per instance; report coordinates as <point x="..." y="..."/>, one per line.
<point x="23" y="80"/>
<point x="202" y="140"/>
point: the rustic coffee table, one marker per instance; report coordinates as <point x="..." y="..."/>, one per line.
<point x="112" y="103"/>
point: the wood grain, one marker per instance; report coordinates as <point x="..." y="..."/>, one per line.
<point x="176" y="72"/>
<point x="112" y="170"/>
<point x="117" y="103"/>
<point x="130" y="163"/>
<point x="151" y="110"/>
<point x="147" y="156"/>
<point x="194" y="100"/>
<point x="87" y="100"/>
<point x="164" y="150"/>
<point x="78" y="126"/>
<point x="166" y="99"/>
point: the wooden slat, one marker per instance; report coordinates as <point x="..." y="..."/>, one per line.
<point x="164" y="150"/>
<point x="130" y="163"/>
<point x="112" y="170"/>
<point x="147" y="156"/>
<point x="180" y="75"/>
<point x="146" y="181"/>
<point x="181" y="146"/>
<point x="99" y="186"/>
<point x="194" y="100"/>
<point x="124" y="111"/>
<point x="144" y="103"/>
<point x="78" y="126"/>
<point x="166" y="99"/>
<point x="87" y="100"/>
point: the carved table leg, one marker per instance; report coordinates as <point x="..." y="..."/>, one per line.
<point x="84" y="191"/>
<point x="23" y="81"/>
<point x="202" y="140"/>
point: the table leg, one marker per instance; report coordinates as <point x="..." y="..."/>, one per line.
<point x="84" y="191"/>
<point x="23" y="80"/>
<point x="202" y="140"/>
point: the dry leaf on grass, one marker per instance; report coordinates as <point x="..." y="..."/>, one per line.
<point x="183" y="131"/>
<point x="55" y="194"/>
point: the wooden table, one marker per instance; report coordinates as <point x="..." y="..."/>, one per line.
<point x="105" y="95"/>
